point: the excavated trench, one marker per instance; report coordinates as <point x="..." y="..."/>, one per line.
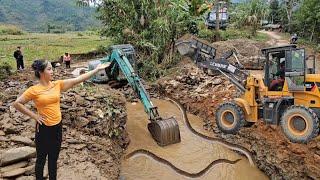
<point x="197" y="156"/>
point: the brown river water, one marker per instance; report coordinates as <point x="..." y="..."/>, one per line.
<point x="192" y="155"/>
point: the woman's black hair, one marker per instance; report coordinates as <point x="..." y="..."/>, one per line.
<point x="39" y="66"/>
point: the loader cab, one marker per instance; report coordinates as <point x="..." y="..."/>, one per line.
<point x="284" y="64"/>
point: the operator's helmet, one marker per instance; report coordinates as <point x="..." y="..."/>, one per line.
<point x="282" y="60"/>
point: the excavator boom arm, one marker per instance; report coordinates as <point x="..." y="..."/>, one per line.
<point x="163" y="131"/>
<point x="117" y="58"/>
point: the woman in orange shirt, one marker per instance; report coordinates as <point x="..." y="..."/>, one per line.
<point x="46" y="96"/>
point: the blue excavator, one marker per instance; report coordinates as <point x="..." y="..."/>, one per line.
<point x="163" y="131"/>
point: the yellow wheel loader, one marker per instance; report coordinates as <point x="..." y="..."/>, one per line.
<point x="290" y="98"/>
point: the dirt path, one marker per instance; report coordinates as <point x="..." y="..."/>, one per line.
<point x="276" y="38"/>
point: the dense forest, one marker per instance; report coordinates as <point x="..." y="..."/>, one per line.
<point x="47" y="15"/>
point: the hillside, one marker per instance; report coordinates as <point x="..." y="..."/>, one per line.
<point x="38" y="15"/>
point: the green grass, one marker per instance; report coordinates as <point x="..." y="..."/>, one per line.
<point x="231" y="33"/>
<point x="47" y="46"/>
<point x="6" y="29"/>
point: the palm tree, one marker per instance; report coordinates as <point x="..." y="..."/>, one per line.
<point x="250" y="13"/>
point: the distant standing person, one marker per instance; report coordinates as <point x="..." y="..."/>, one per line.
<point x="67" y="60"/>
<point x="19" y="58"/>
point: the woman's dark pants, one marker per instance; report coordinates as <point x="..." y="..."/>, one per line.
<point x="48" y="143"/>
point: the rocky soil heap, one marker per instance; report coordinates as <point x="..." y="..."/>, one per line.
<point x="249" y="52"/>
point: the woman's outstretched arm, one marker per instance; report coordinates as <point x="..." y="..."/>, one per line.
<point x="69" y="83"/>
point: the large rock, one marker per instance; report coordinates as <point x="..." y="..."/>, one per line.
<point x="2" y="133"/>
<point x="9" y="128"/>
<point x="25" y="178"/>
<point x="14" y="173"/>
<point x="14" y="166"/>
<point x="17" y="154"/>
<point x="30" y="170"/>
<point x="23" y="140"/>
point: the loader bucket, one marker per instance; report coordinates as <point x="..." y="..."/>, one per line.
<point x="165" y="131"/>
<point x="184" y="47"/>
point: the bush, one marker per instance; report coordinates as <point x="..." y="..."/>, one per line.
<point x="235" y="34"/>
<point x="230" y="33"/>
<point x="10" y="30"/>
<point x="206" y="34"/>
<point x="57" y="31"/>
<point x="150" y="70"/>
<point x="101" y="49"/>
<point x="5" y="70"/>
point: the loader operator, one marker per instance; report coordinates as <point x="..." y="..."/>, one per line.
<point x="277" y="84"/>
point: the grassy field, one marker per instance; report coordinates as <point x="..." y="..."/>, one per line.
<point x="47" y="46"/>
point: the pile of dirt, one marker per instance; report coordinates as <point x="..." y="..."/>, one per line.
<point x="94" y="130"/>
<point x="249" y="51"/>
<point x="200" y="94"/>
<point x="203" y="91"/>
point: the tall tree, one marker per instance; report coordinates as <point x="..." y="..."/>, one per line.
<point x="308" y="19"/>
<point x="151" y="26"/>
<point x="289" y="6"/>
<point x="250" y="13"/>
<point x="274" y="11"/>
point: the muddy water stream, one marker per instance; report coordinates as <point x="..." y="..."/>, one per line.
<point x="192" y="155"/>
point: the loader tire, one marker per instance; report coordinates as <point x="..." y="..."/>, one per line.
<point x="300" y="124"/>
<point x="230" y="118"/>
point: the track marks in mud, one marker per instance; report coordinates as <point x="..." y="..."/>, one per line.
<point x="231" y="146"/>
<point x="143" y="152"/>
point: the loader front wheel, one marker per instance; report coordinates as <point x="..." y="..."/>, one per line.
<point x="230" y="118"/>
<point x="300" y="124"/>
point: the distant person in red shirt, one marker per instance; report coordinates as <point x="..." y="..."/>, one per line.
<point x="67" y="60"/>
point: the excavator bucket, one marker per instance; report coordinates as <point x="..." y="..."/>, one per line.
<point x="165" y="131"/>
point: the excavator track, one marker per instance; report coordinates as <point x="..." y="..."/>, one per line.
<point x="143" y="152"/>
<point x="231" y="146"/>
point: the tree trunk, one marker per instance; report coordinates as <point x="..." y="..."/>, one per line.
<point x="289" y="8"/>
<point x="217" y="34"/>
<point x="312" y="33"/>
<point x="217" y="15"/>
